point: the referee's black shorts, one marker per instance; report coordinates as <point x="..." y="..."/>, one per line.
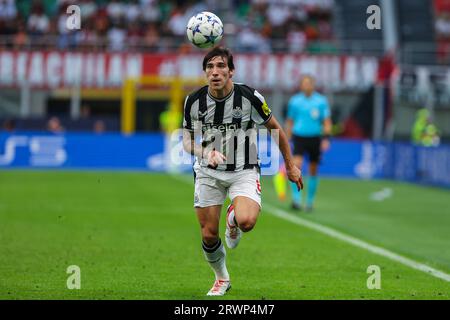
<point x="309" y="146"/>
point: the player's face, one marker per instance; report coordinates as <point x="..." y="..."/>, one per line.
<point x="218" y="73"/>
<point x="307" y="85"/>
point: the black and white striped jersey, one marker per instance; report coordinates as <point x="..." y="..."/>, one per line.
<point x="228" y="125"/>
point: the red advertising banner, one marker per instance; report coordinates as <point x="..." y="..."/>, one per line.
<point x="54" y="69"/>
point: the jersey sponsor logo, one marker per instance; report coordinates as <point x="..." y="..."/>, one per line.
<point x="202" y="114"/>
<point x="220" y="127"/>
<point x="266" y="109"/>
<point x="237" y="112"/>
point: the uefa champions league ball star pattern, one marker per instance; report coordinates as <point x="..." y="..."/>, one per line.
<point x="204" y="30"/>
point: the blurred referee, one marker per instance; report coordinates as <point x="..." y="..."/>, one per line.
<point x="308" y="124"/>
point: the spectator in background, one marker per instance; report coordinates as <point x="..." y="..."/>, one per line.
<point x="67" y="38"/>
<point x="178" y="21"/>
<point x="161" y="24"/>
<point x="151" y="37"/>
<point x="88" y="9"/>
<point x="38" y="22"/>
<point x="324" y="28"/>
<point x="134" y="35"/>
<point x="311" y="32"/>
<point x="8" y="10"/>
<point x="133" y="11"/>
<point x="170" y="120"/>
<point x="52" y="33"/>
<point x="20" y="39"/>
<point x="99" y="127"/>
<point x="85" y="111"/>
<point x="278" y="15"/>
<point x="101" y="24"/>
<point x="54" y="125"/>
<point x="9" y="125"/>
<point x="196" y="7"/>
<point x="87" y="36"/>
<point x="150" y="12"/>
<point x="116" y="10"/>
<point x="296" y="38"/>
<point x="249" y="40"/>
<point x="424" y="132"/>
<point x="116" y="37"/>
<point x="299" y="13"/>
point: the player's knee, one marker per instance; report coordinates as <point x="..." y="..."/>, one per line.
<point x="210" y="235"/>
<point x="246" y="227"/>
<point x="247" y="224"/>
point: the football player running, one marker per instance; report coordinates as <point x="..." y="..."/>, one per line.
<point x="226" y="114"/>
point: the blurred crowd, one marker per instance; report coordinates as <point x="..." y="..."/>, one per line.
<point x="158" y="26"/>
<point x="60" y="124"/>
<point x="273" y="25"/>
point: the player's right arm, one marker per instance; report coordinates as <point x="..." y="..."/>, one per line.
<point x="189" y="144"/>
<point x="214" y="157"/>
<point x="189" y="118"/>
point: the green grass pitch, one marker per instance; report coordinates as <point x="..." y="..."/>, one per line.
<point x="135" y="236"/>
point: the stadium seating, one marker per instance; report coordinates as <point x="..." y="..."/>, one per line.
<point x="149" y="25"/>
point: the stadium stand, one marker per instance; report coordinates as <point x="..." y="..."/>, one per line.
<point x="158" y="26"/>
<point x="281" y="27"/>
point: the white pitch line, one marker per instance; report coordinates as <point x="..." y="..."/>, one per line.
<point x="357" y="242"/>
<point x="346" y="238"/>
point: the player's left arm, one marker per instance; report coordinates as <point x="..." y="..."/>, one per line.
<point x="326" y="126"/>
<point x="294" y="174"/>
<point x="325" y="144"/>
<point x="262" y="115"/>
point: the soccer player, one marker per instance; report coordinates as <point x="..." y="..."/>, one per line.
<point x="309" y="125"/>
<point x="225" y="114"/>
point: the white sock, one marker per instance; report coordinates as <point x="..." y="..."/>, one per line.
<point x="216" y="259"/>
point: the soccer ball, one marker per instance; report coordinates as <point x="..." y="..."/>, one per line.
<point x="204" y="30"/>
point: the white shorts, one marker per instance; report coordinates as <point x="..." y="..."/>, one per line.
<point x="212" y="186"/>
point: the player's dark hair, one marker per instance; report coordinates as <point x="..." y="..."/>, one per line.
<point x="219" y="52"/>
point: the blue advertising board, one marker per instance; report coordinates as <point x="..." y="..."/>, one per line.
<point x="154" y="152"/>
<point x="81" y="151"/>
